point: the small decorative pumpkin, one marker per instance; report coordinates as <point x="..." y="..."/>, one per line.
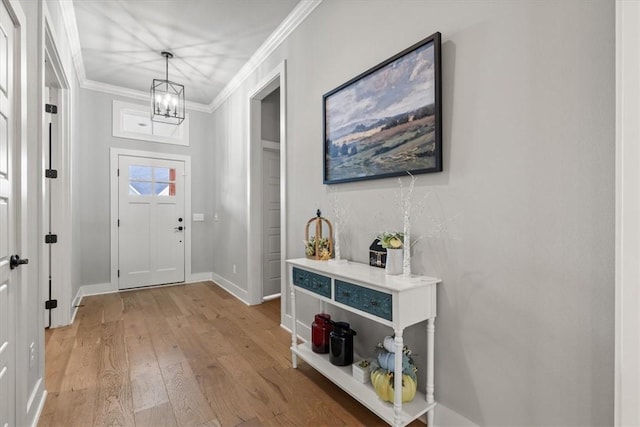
<point x="387" y="361"/>
<point x="389" y="344"/>
<point x="383" y="384"/>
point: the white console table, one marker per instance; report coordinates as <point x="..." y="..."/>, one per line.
<point x="394" y="301"/>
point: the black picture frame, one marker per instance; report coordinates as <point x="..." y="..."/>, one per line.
<point x="386" y="121"/>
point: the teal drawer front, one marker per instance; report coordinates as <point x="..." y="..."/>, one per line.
<point x="313" y="282"/>
<point x="367" y="300"/>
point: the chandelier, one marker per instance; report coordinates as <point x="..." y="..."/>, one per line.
<point x="167" y="98"/>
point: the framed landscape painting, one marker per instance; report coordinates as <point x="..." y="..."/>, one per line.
<point x="388" y="120"/>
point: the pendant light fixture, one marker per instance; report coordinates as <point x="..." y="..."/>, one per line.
<point x="167" y="98"/>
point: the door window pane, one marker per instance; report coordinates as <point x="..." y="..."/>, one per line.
<point x="161" y="189"/>
<point x="161" y="174"/>
<point x="140" y="173"/>
<point x="165" y="189"/>
<point x="150" y="181"/>
<point x="165" y="181"/>
<point x="140" y="188"/>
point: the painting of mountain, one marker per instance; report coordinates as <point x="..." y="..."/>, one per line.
<point x="386" y="122"/>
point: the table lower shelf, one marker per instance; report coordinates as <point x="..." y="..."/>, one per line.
<point x="363" y="393"/>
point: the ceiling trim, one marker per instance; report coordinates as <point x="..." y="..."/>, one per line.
<point x="286" y="27"/>
<point x="136" y="94"/>
<point x="69" y="19"/>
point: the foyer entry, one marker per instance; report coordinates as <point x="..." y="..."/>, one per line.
<point x="151" y="221"/>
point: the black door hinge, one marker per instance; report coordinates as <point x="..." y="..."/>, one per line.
<point x="118" y="273"/>
<point x="118" y="223"/>
<point x="52" y="303"/>
<point x="51" y="173"/>
<point x="50" y="108"/>
<point x="51" y="238"/>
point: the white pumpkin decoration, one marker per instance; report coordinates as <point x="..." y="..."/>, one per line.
<point x="389" y="344"/>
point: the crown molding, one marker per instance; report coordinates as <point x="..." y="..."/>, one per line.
<point x="69" y="18"/>
<point x="286" y="27"/>
<point x="136" y="94"/>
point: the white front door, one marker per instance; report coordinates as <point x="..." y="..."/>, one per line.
<point x="151" y="218"/>
<point x="271" y="222"/>
<point x="8" y="206"/>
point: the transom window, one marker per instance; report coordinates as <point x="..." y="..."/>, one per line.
<point x="151" y="181"/>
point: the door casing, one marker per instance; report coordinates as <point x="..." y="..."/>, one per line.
<point x="61" y="203"/>
<point x="276" y="78"/>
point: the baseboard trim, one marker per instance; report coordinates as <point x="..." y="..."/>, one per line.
<point x="232" y="288"/>
<point x="108" y="288"/>
<point x="88" y="290"/>
<point x="97" y="289"/>
<point x="75" y="304"/>
<point x="200" y="277"/>
<point x="445" y="417"/>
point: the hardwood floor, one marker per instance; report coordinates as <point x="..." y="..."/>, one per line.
<point x="186" y="355"/>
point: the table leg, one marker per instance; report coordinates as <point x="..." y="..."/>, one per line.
<point x="431" y="332"/>
<point x="294" y="328"/>
<point x="397" y="378"/>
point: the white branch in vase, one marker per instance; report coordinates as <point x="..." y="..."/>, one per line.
<point x="341" y="217"/>
<point x="405" y="203"/>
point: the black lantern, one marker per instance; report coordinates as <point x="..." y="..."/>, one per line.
<point x="167" y="98"/>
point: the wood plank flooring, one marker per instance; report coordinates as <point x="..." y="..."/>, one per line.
<point x="186" y="355"/>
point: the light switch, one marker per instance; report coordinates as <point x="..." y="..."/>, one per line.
<point x="198" y="217"/>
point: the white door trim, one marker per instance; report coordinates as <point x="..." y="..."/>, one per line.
<point x="115" y="152"/>
<point x="61" y="205"/>
<point x="627" y="288"/>
<point x="274" y="79"/>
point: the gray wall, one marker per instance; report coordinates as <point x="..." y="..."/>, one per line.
<point x="92" y="207"/>
<point x="520" y="225"/>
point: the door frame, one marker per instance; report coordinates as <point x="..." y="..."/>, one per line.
<point x="113" y="174"/>
<point x="60" y="206"/>
<point x="627" y="270"/>
<point x="274" y="79"/>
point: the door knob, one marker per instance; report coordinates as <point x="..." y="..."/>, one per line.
<point x="178" y="228"/>
<point x="15" y="261"/>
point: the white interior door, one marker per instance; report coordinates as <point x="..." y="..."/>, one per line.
<point x="271" y="222"/>
<point x="8" y="178"/>
<point x="151" y="217"/>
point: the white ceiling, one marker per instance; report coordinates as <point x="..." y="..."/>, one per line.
<point x="121" y="40"/>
